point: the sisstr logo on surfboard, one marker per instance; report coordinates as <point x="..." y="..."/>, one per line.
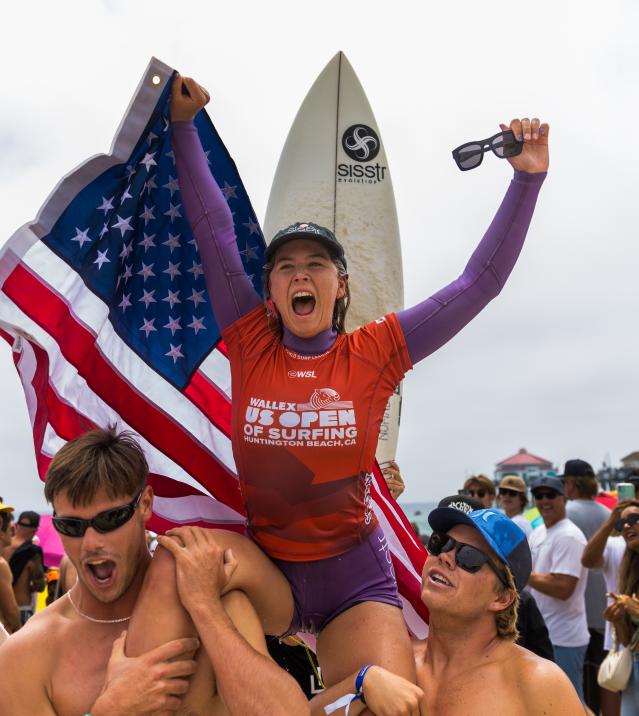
<point x="325" y="421"/>
<point x="361" y="144"/>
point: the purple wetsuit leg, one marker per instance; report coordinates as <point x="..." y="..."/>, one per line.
<point x="326" y="588"/>
<point x="230" y="290"/>
<point x="433" y="322"/>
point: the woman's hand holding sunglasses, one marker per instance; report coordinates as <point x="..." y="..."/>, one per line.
<point x="534" y="157"/>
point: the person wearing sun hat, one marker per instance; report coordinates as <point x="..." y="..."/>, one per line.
<point x="512" y="499"/>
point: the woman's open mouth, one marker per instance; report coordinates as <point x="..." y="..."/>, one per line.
<point x="303" y="303"/>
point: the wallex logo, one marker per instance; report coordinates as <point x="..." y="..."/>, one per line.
<point x="361" y="144"/>
<point x="325" y="421"/>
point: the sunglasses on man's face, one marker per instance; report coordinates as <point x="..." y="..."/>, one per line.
<point x="467" y="557"/>
<point x="504" y="492"/>
<point x="477" y="493"/>
<point x="545" y="495"/>
<point x="103" y="522"/>
<point x="503" y="145"/>
<point x="631" y="521"/>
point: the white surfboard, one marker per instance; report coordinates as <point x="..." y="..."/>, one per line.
<point x="333" y="171"/>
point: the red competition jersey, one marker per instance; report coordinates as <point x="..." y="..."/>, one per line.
<point x="305" y="432"/>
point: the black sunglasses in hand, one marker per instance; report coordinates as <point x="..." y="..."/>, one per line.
<point x="503" y="145"/>
<point x="103" y="522"/>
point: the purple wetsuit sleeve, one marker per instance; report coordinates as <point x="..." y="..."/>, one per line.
<point x="231" y="292"/>
<point x="433" y="322"/>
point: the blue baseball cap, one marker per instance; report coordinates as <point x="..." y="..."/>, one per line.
<point x="505" y="538"/>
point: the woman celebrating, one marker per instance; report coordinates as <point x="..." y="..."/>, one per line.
<point x="308" y="400"/>
<point x="624" y="611"/>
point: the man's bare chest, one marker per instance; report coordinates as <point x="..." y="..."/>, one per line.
<point x="78" y="674"/>
<point x="471" y="695"/>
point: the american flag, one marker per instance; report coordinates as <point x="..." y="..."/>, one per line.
<point x="103" y="301"/>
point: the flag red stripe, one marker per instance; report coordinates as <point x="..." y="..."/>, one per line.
<point x="77" y="345"/>
<point x="212" y="402"/>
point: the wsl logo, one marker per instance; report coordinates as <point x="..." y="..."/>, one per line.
<point x="361" y="144"/>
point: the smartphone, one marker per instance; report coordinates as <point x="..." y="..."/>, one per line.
<point x="625" y="491"/>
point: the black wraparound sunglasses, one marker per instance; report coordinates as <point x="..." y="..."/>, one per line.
<point x="467" y="557"/>
<point x="106" y="521"/>
<point x="503" y="145"/>
<point x="631" y="521"/>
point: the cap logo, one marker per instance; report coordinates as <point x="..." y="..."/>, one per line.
<point x="490" y="513"/>
<point x="361" y="143"/>
<point x="461" y="506"/>
<point x="303" y="228"/>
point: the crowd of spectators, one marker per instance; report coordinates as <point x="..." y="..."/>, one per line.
<point x="580" y="601"/>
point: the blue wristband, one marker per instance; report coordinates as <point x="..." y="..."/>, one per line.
<point x="359" y="681"/>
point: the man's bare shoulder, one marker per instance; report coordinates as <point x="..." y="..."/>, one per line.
<point x="557" y="696"/>
<point x="38" y="636"/>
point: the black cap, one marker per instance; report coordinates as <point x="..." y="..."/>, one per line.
<point x="552" y="483"/>
<point x="465" y="503"/>
<point x="505" y="537"/>
<point x="29" y="519"/>
<point x="578" y="468"/>
<point x="306" y="230"/>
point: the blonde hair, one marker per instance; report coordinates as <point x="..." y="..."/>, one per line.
<point x="506" y="619"/>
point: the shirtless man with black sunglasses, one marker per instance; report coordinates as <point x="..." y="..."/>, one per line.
<point x="469" y="664"/>
<point x="97" y="486"/>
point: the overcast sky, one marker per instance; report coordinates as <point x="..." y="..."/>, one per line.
<point x="551" y="364"/>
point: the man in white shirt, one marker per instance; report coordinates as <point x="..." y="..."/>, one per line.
<point x="558" y="579"/>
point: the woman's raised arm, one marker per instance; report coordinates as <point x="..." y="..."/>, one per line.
<point x="231" y="292"/>
<point x="433" y="322"/>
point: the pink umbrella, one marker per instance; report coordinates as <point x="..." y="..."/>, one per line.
<point x="50" y="542"/>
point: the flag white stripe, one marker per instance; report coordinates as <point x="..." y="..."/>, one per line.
<point x="216" y="369"/>
<point x="195" y="508"/>
<point x="26" y="370"/>
<point x="415" y="623"/>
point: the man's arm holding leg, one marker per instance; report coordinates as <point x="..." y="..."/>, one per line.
<point x="248" y="681"/>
